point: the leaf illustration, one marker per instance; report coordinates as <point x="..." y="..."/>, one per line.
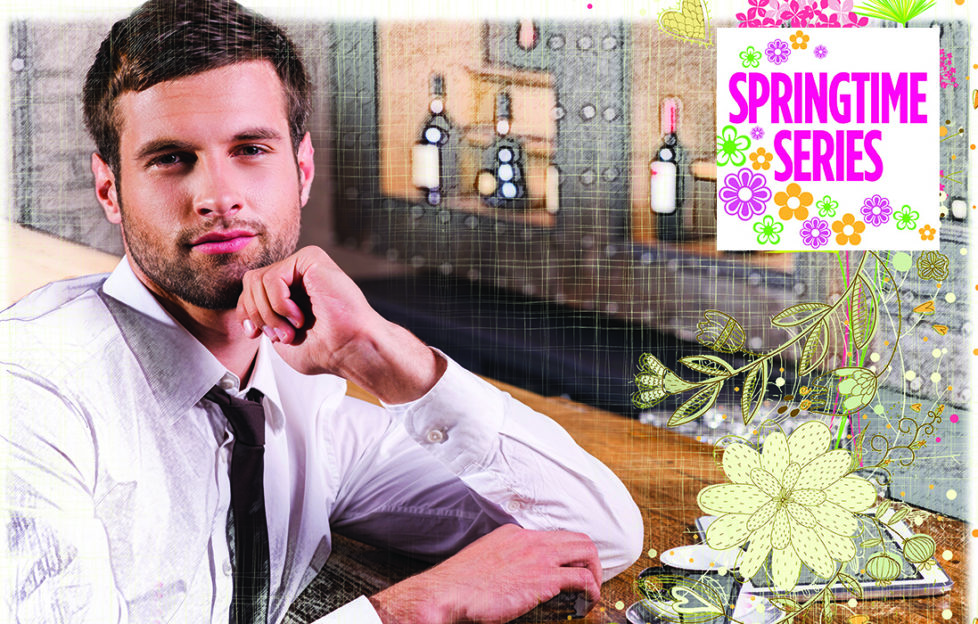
<point x="857" y="450"/>
<point x="851" y="584"/>
<point x="799" y="313"/>
<point x="871" y="543"/>
<point x="696" y="405"/>
<point x="882" y="507"/>
<point x="709" y="364"/>
<point x="753" y="392"/>
<point x="865" y="312"/>
<point x="926" y="307"/>
<point x="898" y="516"/>
<point x="787" y="605"/>
<point x="816" y="349"/>
<point x="828" y="609"/>
<point x="721" y="332"/>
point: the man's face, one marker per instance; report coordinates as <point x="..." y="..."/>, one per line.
<point x="208" y="184"/>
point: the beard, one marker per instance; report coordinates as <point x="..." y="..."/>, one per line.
<point x="209" y="281"/>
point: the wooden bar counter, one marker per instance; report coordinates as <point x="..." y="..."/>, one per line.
<point x="664" y="471"/>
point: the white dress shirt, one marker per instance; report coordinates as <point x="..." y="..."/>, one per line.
<point x="117" y="486"/>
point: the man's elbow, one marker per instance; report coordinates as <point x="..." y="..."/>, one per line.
<point x="624" y="544"/>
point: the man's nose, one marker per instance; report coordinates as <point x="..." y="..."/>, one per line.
<point x="217" y="191"/>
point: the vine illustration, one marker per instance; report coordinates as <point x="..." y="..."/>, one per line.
<point x="881" y="444"/>
<point x="822" y="328"/>
<point x="840" y="331"/>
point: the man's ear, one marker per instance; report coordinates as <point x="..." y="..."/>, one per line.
<point x="106" y="189"/>
<point x="307" y="168"/>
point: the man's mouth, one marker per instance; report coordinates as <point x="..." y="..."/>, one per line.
<point x="223" y="242"/>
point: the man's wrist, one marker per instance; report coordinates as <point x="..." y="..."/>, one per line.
<point x="392" y="364"/>
<point x="409" y="603"/>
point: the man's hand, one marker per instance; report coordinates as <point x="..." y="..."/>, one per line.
<point x="495" y="579"/>
<point x="320" y="322"/>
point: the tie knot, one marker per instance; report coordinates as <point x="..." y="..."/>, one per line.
<point x="247" y="416"/>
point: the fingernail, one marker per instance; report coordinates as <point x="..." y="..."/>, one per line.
<point x="295" y="322"/>
<point x="282" y="334"/>
<point x="249" y="327"/>
<point x="268" y="332"/>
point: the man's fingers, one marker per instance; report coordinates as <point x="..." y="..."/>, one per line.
<point x="589" y="558"/>
<point x="267" y="306"/>
<point x="254" y="299"/>
<point x="576" y="550"/>
<point x="277" y="290"/>
<point x="247" y="313"/>
<point x="573" y="579"/>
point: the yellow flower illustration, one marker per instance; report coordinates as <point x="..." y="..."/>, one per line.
<point x="793" y="203"/>
<point x="794" y="500"/>
<point x="761" y="159"/>
<point x="799" y="40"/>
<point x="848" y="230"/>
<point x="927" y="233"/>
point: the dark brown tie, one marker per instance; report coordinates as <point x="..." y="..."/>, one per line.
<point x="249" y="543"/>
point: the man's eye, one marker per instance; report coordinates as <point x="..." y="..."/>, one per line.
<point x="251" y="150"/>
<point x="168" y="160"/>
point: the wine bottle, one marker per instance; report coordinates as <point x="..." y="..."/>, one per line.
<point x="667" y="178"/>
<point x="501" y="183"/>
<point x="428" y="160"/>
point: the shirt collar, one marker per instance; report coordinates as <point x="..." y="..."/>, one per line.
<point x="177" y="367"/>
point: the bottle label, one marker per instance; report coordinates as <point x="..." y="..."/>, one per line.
<point x="424" y="166"/>
<point x="662" y="184"/>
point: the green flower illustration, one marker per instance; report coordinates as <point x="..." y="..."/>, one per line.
<point x="906" y="219"/>
<point x="750" y="57"/>
<point x="795" y="500"/>
<point x="858" y="386"/>
<point x="732" y="147"/>
<point x="826" y="207"/>
<point x="768" y="230"/>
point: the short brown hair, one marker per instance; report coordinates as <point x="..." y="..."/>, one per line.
<point x="169" y="39"/>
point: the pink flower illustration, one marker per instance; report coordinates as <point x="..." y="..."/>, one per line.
<point x="778" y="51"/>
<point x="876" y="210"/>
<point x="798" y="13"/>
<point x="745" y="194"/>
<point x="815" y="232"/>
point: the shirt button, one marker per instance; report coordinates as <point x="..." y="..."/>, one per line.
<point x="226" y="383"/>
<point x="227" y="568"/>
<point x="513" y="506"/>
<point x="435" y="436"/>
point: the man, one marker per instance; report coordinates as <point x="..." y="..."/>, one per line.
<point x="140" y="487"/>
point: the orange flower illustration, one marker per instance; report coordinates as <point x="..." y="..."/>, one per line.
<point x="794" y="204"/>
<point x="848" y="229"/>
<point x="927" y="232"/>
<point x="761" y="159"/>
<point x="799" y="40"/>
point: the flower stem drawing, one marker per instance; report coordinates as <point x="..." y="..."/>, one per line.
<point x="822" y="330"/>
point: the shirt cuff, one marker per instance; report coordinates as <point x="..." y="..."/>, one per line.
<point x="457" y="420"/>
<point x="360" y="611"/>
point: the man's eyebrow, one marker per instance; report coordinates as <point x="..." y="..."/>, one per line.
<point x="163" y="145"/>
<point x="258" y="134"/>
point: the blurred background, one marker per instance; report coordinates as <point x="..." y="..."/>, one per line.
<point x="534" y="197"/>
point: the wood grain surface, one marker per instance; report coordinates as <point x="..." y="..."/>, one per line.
<point x="664" y="471"/>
